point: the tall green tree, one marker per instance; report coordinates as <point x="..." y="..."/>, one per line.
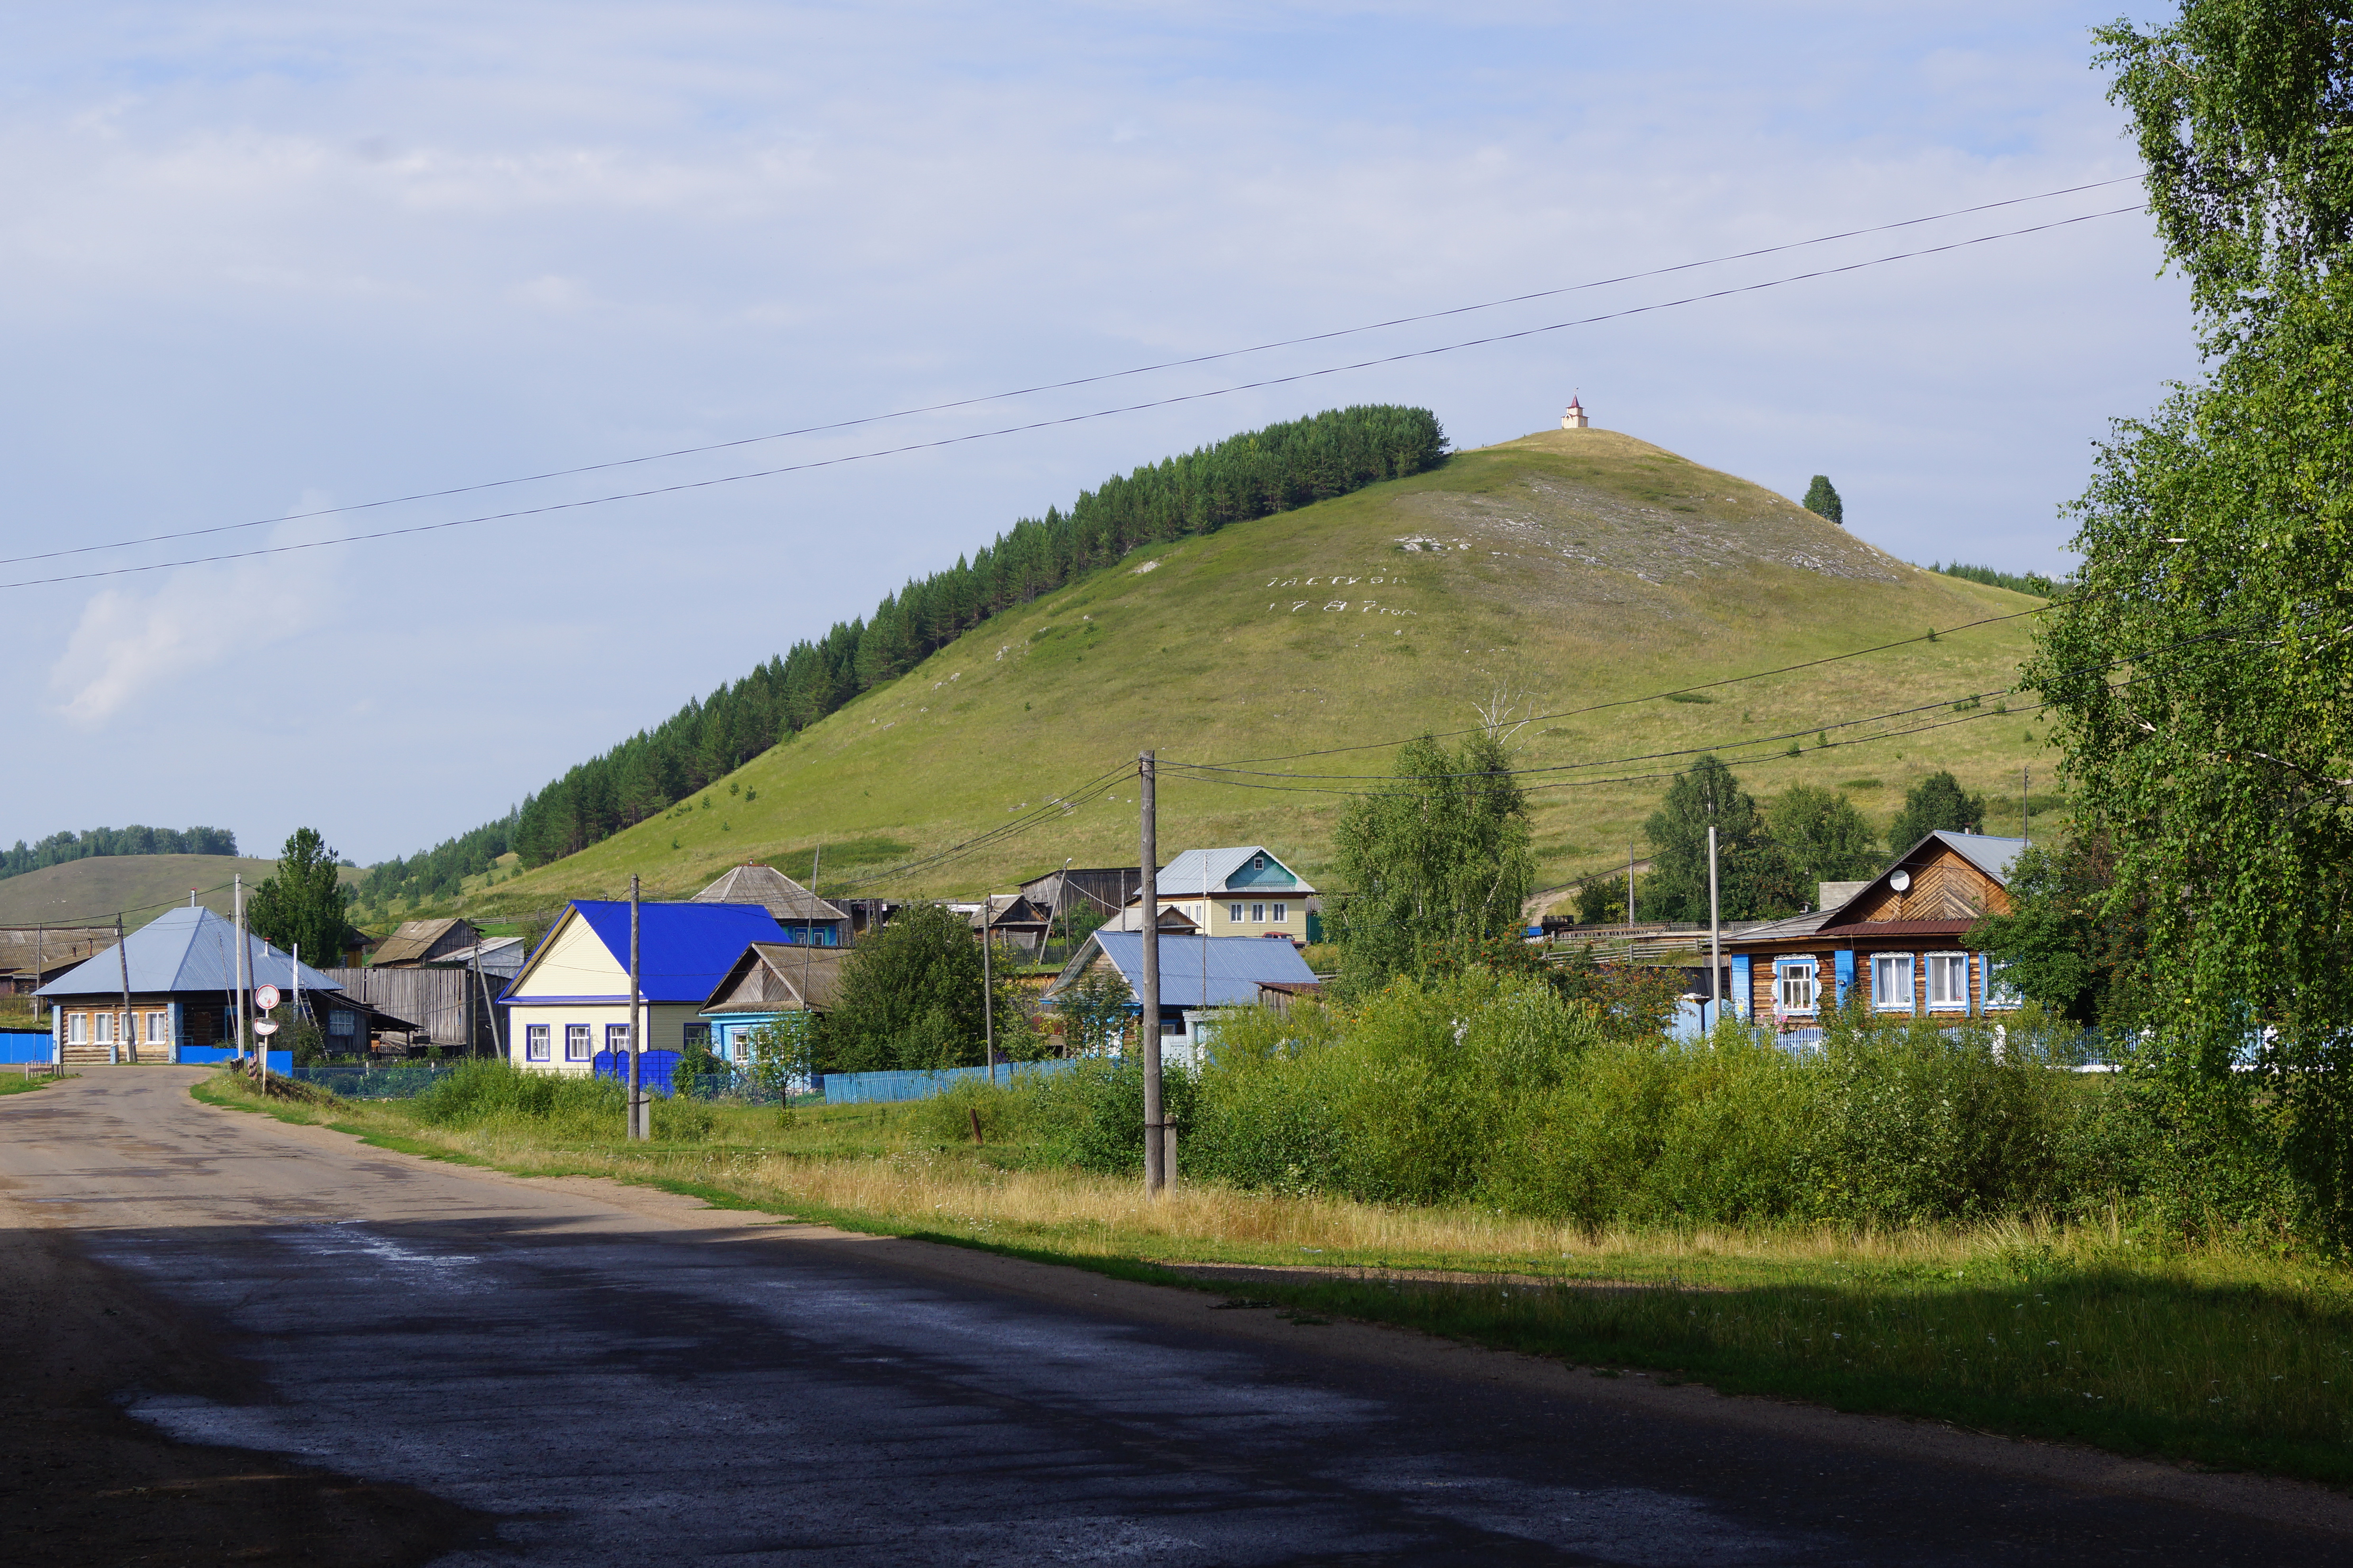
<point x="1822" y="500"/>
<point x="2201" y="678"/>
<point x="304" y="902"/>
<point x="1823" y="838"/>
<point x="1435" y="866"/>
<point x="912" y="996"/>
<point x="1753" y="877"/>
<point x="2068" y="943"/>
<point x="1936" y="802"/>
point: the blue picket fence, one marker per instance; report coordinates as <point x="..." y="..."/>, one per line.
<point x="654" y="1069"/>
<point x="882" y="1088"/>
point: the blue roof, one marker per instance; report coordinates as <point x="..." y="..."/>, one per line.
<point x="1205" y="971"/>
<point x="181" y="949"/>
<point x="684" y="950"/>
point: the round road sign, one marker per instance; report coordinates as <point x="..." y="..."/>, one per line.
<point x="265" y="1026"/>
<point x="266" y="998"/>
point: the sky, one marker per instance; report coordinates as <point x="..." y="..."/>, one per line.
<point x="265" y="260"/>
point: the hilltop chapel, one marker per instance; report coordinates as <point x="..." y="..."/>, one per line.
<point x="1574" y="418"/>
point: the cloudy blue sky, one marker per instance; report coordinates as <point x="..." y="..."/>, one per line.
<point x="262" y="260"/>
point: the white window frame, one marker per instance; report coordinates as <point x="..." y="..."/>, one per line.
<point x="1233" y="914"/>
<point x="158" y="1029"/>
<point x="101" y="1028"/>
<point x="579" y="1042"/>
<point x="1880" y="999"/>
<point x="1257" y="914"/>
<point x="1942" y="966"/>
<point x="1282" y="913"/>
<point x="2000" y="993"/>
<point x="1793" y="978"/>
<point x="77" y="1028"/>
<point x="538" y="1043"/>
<point x="617" y="1039"/>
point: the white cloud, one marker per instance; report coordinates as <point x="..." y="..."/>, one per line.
<point x="200" y="626"/>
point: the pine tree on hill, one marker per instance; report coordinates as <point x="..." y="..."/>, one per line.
<point x="1822" y="500"/>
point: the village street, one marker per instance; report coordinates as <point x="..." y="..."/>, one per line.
<point x="605" y="1375"/>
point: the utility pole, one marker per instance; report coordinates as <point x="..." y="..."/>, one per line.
<point x="1155" y="1119"/>
<point x="243" y="956"/>
<point x="1629" y="883"/>
<point x="2024" y="800"/>
<point x="294" y="1014"/>
<point x="122" y="956"/>
<point x="987" y="992"/>
<point x="640" y="1125"/>
<point x="1715" y="929"/>
<point x="808" y="1014"/>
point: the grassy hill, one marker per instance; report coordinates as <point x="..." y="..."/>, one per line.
<point x="90" y="891"/>
<point x="1566" y="569"/>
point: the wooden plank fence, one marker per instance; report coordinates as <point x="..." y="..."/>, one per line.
<point x="437" y="1001"/>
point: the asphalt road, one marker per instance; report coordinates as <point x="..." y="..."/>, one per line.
<point x="619" y="1377"/>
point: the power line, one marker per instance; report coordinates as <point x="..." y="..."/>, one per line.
<point x="1060" y="386"/>
<point x="685" y="486"/>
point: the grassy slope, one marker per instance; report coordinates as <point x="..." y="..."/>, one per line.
<point x="90" y="892"/>
<point x="1578" y="568"/>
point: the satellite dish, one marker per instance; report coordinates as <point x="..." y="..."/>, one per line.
<point x="267" y="997"/>
<point x="1901" y="881"/>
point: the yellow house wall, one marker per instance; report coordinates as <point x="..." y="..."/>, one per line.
<point x="665" y="1030"/>
<point x="1219" y="923"/>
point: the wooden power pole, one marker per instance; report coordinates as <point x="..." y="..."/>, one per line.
<point x="1155" y="1119"/>
<point x="641" y="1123"/>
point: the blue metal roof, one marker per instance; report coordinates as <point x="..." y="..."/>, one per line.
<point x="1205" y="971"/>
<point x="684" y="950"/>
<point x="181" y="949"/>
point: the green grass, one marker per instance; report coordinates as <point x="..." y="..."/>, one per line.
<point x="2228" y="1359"/>
<point x="18" y="1083"/>
<point x="1576" y="592"/>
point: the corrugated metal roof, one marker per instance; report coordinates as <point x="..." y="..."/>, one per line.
<point x="413" y="939"/>
<point x="181" y="949"/>
<point x="1867" y="930"/>
<point x="1183" y="875"/>
<point x="1198" y="971"/>
<point x="684" y="950"/>
<point x="1993" y="856"/>
<point x="772" y="890"/>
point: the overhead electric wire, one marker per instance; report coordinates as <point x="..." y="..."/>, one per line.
<point x="1062" y="385"/>
<point x="684" y="486"/>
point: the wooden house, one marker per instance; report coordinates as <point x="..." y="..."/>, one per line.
<point x="416" y="942"/>
<point x="1014" y="919"/>
<point x="804" y="917"/>
<point x="180" y="970"/>
<point x="31" y="955"/>
<point x="571" y="1002"/>
<point x="1898" y="940"/>
<point x="1198" y="976"/>
<point x="771" y="983"/>
<point x="1076" y="892"/>
<point x="1241" y="891"/>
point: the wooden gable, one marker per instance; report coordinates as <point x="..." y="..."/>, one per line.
<point x="1945" y="884"/>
